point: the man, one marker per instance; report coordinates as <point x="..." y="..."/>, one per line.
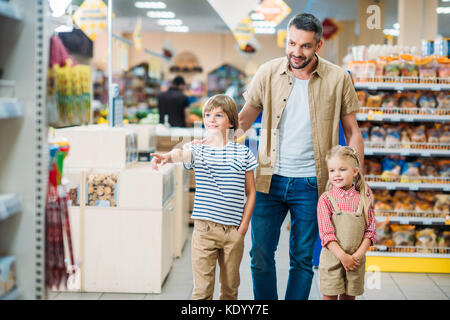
<point x="304" y="97"/>
<point x="175" y="104"/>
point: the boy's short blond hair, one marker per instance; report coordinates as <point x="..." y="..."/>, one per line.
<point x="228" y="106"/>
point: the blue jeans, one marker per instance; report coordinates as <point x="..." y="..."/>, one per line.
<point x="299" y="196"/>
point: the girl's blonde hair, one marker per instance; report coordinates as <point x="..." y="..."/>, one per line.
<point x="350" y="155"/>
<point x="228" y="106"/>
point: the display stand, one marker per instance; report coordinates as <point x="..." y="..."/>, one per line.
<point x="23" y="169"/>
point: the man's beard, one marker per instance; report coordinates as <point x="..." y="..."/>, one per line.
<point x="304" y="64"/>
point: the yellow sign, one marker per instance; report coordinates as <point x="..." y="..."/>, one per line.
<point x="243" y="32"/>
<point x="274" y="10"/>
<point x="281" y="38"/>
<point x="91" y="17"/>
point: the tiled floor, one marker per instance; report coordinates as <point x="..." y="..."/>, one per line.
<point x="383" y="286"/>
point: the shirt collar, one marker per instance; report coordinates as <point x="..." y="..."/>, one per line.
<point x="341" y="192"/>
<point x="284" y="67"/>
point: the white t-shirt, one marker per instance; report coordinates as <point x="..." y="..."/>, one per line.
<point x="296" y="153"/>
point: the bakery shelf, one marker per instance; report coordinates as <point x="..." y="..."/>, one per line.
<point x="414" y="220"/>
<point x="403" y="114"/>
<point x="409" y="183"/>
<point x="10" y="204"/>
<point x="436" y="84"/>
<point x="413" y="149"/>
<point x="10" y="108"/>
<point x="410" y="251"/>
<point x="411" y="213"/>
<point x="410" y="186"/>
<point x="13" y="294"/>
<point x="8" y="10"/>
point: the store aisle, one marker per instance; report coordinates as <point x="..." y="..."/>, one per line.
<point x="178" y="286"/>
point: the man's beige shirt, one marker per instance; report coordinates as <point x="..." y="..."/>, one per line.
<point x="330" y="94"/>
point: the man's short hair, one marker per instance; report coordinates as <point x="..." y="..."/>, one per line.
<point x="178" y="80"/>
<point x="306" y="22"/>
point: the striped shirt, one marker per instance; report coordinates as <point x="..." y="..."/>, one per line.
<point x="347" y="200"/>
<point x="220" y="181"/>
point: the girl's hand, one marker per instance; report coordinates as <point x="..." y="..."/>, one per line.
<point x="358" y="256"/>
<point x="159" y="159"/>
<point x="349" y="262"/>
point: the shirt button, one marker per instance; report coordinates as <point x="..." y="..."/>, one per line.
<point x="278" y="117"/>
<point x="284" y="99"/>
<point x="290" y="83"/>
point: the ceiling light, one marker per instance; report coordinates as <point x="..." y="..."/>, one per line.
<point x="161" y="14"/>
<point x="150" y="5"/>
<point x="176" y="29"/>
<point x="58" y="7"/>
<point x="257" y="16"/>
<point x="263" y="24"/>
<point x="265" y="30"/>
<point x="170" y="22"/>
<point x="443" y="10"/>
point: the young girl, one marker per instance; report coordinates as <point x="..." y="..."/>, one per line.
<point x="346" y="226"/>
<point x="223" y="175"/>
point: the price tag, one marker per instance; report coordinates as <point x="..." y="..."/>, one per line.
<point x="414" y="188"/>
<point x="372" y="87"/>
<point x="382" y="248"/>
<point x="405" y="152"/>
<point x="426" y="153"/>
<point x="390" y="186"/>
<point x="435" y="88"/>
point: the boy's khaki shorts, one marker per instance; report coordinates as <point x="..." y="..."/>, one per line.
<point x="212" y="242"/>
<point x="334" y="280"/>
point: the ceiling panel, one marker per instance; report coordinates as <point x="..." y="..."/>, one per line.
<point x="199" y="16"/>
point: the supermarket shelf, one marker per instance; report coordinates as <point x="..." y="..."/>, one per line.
<point x="8" y="10"/>
<point x="368" y="151"/>
<point x="10" y="108"/>
<point x="414" y="263"/>
<point x="13" y="294"/>
<point x="10" y="204"/>
<point x="397" y="115"/>
<point x="409" y="186"/>
<point x="409" y="251"/>
<point x="401" y="86"/>
<point x="414" y="220"/>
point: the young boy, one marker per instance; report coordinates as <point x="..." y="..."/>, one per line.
<point x="223" y="175"/>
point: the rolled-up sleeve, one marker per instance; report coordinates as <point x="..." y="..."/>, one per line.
<point x="324" y="213"/>
<point x="350" y="101"/>
<point x="370" y="231"/>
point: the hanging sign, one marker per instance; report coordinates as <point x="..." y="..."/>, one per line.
<point x="91" y="17"/>
<point x="137" y="37"/>
<point x="330" y="28"/>
<point x="274" y="10"/>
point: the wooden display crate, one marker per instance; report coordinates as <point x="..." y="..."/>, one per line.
<point x="98" y="147"/>
<point x="180" y="223"/>
<point x="127" y="251"/>
<point x="143" y="188"/>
